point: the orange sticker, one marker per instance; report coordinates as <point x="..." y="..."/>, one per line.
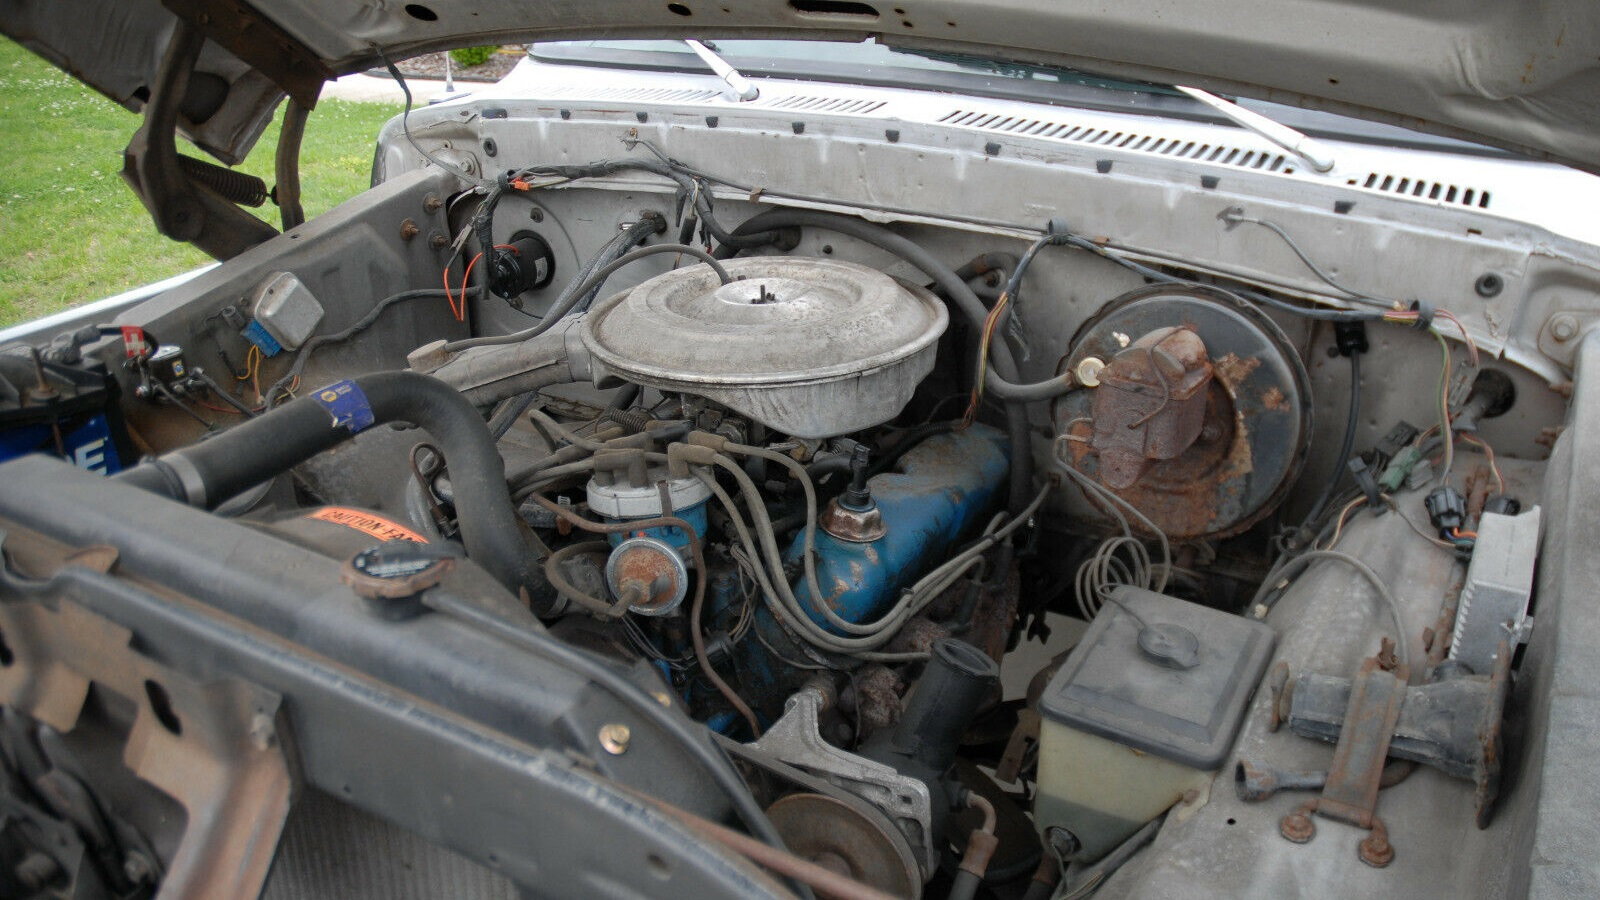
<point x="377" y="526"/>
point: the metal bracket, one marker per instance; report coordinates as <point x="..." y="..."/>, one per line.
<point x="182" y="209"/>
<point x="213" y="747"/>
<point x="1351" y="792"/>
<point x="258" y="41"/>
<point x="796" y="740"/>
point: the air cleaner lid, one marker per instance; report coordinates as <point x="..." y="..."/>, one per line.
<point x="782" y="320"/>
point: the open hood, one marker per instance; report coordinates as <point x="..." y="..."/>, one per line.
<point x="1522" y="76"/>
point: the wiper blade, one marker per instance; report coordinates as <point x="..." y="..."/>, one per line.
<point x="743" y="88"/>
<point x="1302" y="145"/>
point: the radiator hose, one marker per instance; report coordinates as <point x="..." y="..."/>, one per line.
<point x="208" y="473"/>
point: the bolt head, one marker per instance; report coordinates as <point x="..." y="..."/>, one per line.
<point x="1563" y="328"/>
<point x="1376" y="851"/>
<point x="137" y="868"/>
<point x="614" y="738"/>
<point x="1298" y="827"/>
<point x="262" y="733"/>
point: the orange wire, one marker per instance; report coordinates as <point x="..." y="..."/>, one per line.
<point x="255" y="377"/>
<point x="449" y="297"/>
<point x="458" y="306"/>
<point x="985" y="336"/>
<point x="466" y="278"/>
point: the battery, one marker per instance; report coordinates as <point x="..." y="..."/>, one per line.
<point x="65" y="410"/>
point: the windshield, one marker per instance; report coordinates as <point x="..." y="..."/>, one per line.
<point x="868" y="62"/>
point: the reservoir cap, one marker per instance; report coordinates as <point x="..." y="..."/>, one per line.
<point x="1161" y="675"/>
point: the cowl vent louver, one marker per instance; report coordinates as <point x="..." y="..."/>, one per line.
<point x="1423" y="189"/>
<point x="1221" y="154"/>
<point x="823" y="104"/>
<point x="639" y="95"/>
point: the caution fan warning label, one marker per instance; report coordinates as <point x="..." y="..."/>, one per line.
<point x="365" y="522"/>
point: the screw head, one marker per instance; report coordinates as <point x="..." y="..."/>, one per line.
<point x="1564" y="327"/>
<point x="614" y="738"/>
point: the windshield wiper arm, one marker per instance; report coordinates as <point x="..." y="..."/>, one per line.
<point x="1301" y="145"/>
<point x="743" y="88"/>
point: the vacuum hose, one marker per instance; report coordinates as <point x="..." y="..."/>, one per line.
<point x="210" y="472"/>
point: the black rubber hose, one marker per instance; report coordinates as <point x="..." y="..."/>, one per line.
<point x="557" y="313"/>
<point x="1345" y="449"/>
<point x="984" y="263"/>
<point x="959" y="292"/>
<point x="210" y="472"/>
<point x="687" y="185"/>
<point x="958" y="678"/>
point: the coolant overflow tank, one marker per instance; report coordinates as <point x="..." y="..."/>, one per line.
<point x="1144" y="709"/>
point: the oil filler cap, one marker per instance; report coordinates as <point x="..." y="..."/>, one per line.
<point x="1173" y="646"/>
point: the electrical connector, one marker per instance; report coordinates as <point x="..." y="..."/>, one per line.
<point x="1401" y="436"/>
<point x="1447" y="510"/>
<point x="257" y="334"/>
<point x="1350" y="337"/>
<point x="1394" y="475"/>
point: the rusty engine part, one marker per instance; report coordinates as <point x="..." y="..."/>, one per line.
<point x="650" y="571"/>
<point x="849" y="840"/>
<point x="1201" y="418"/>
<point x="1151" y="403"/>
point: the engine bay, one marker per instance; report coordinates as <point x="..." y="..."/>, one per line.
<point x="992" y="561"/>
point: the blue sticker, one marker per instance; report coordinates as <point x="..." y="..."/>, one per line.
<point x="348" y="404"/>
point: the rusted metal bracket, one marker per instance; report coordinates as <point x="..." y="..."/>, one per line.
<point x="1451" y="724"/>
<point x="258" y="41"/>
<point x="1351" y="792"/>
<point x="213" y="747"/>
<point x="182" y="209"/>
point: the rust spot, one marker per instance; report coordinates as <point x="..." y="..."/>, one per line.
<point x="871" y="554"/>
<point x="1234" y="370"/>
<point x="840" y="588"/>
<point x="1274" y="400"/>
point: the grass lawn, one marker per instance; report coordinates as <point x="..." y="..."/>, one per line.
<point x="70" y="230"/>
